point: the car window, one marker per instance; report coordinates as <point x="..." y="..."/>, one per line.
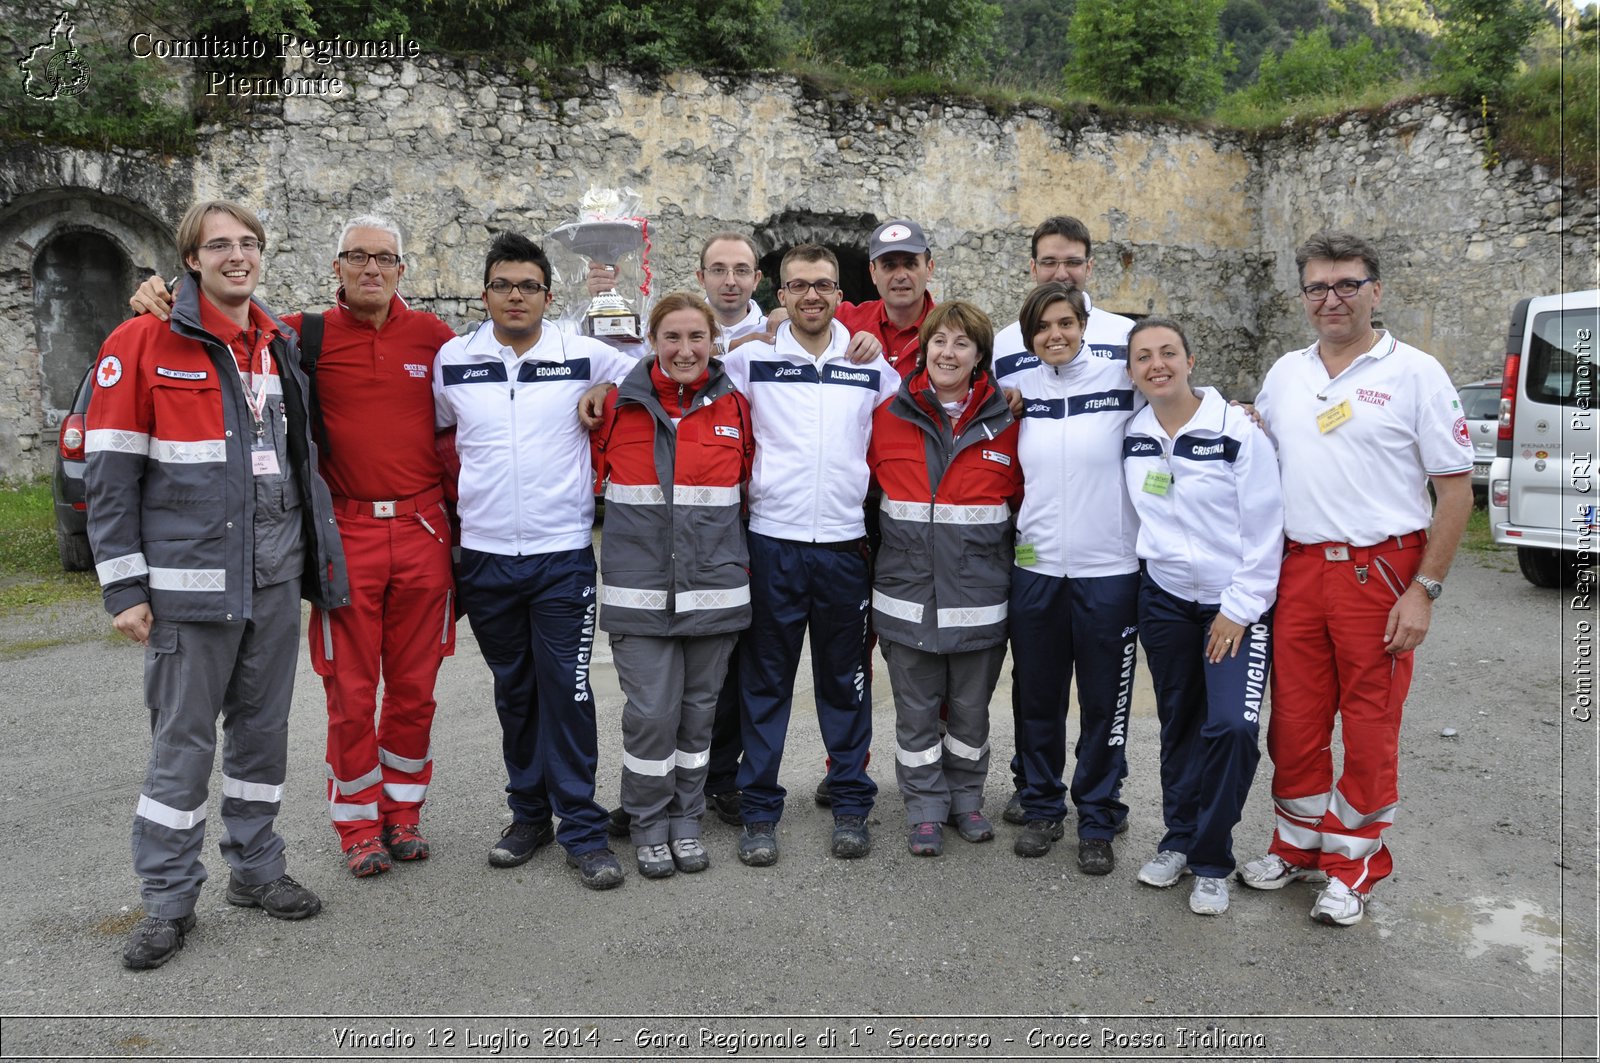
<point x="1561" y="357"/>
<point x="1480" y="404"/>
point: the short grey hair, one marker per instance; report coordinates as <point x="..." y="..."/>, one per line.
<point x="372" y="221"/>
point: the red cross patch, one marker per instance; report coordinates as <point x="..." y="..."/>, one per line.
<point x="109" y="372"/>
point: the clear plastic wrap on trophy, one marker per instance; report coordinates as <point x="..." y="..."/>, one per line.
<point x="610" y="231"/>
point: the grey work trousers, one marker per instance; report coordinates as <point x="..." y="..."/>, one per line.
<point x="940" y="778"/>
<point x="671" y="685"/>
<point x="193" y="672"/>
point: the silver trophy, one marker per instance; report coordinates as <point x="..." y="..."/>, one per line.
<point x="610" y="316"/>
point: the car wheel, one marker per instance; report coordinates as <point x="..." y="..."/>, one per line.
<point x="74" y="550"/>
<point x="1542" y="568"/>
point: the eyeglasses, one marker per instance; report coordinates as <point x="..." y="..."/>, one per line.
<point x="799" y="287"/>
<point x="358" y="259"/>
<point x="744" y="273"/>
<point x="1344" y="289"/>
<point x="249" y="245"/>
<point x="1052" y="263"/>
<point x="501" y="286"/>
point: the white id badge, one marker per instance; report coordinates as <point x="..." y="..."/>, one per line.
<point x="264" y="460"/>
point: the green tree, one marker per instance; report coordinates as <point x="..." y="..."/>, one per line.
<point x="1313" y="66"/>
<point x="1163" y="52"/>
<point x="1030" y="42"/>
<point x="1480" y="49"/>
<point x="949" y="37"/>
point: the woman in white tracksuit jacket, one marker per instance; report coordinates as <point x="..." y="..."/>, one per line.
<point x="1204" y="480"/>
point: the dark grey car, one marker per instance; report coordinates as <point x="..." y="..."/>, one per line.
<point x="1480" y="405"/>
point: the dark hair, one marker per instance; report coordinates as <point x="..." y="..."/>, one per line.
<point x="806" y="253"/>
<point x="743" y="238"/>
<point x="514" y="247"/>
<point x="1041" y="299"/>
<point x="675" y="301"/>
<point x="1145" y="324"/>
<point x="194" y="219"/>
<point x="1336" y="245"/>
<point x="965" y="318"/>
<point x="1064" y="226"/>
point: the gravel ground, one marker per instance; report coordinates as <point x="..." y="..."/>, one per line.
<point x="1481" y="946"/>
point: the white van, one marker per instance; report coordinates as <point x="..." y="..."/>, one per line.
<point x="1544" y="483"/>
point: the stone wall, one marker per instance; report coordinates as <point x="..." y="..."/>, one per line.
<point x="1196" y="223"/>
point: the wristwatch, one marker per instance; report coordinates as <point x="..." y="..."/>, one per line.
<point x="1432" y="586"/>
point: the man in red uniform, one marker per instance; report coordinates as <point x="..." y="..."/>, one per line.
<point x="373" y="400"/>
<point x="900" y="266"/>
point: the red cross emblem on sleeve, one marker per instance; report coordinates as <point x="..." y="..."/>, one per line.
<point x="110" y="371"/>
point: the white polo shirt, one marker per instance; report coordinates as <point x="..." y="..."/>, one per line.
<point x="812" y="419"/>
<point x="754" y="320"/>
<point x="526" y="484"/>
<point x="1364" y="479"/>
<point x="1106" y="337"/>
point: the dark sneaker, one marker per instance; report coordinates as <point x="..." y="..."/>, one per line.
<point x="282" y="898"/>
<point x="1095" y="856"/>
<point x="405" y="841"/>
<point x="367" y="857"/>
<point x="973" y="826"/>
<point x="850" y="838"/>
<point x="1037" y="836"/>
<point x="927" y="839"/>
<point x="1013" y="813"/>
<point x="153" y="941"/>
<point x="758" y="845"/>
<point x="824" y="794"/>
<point x="726" y="806"/>
<point x="690" y="855"/>
<point x="519" y="842"/>
<point x="598" y="869"/>
<point x="619" y="824"/>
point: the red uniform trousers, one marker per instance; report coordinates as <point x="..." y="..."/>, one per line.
<point x="1329" y="659"/>
<point x="399" y="626"/>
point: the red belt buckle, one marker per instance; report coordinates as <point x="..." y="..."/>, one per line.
<point x="1336" y="553"/>
<point x="383" y="509"/>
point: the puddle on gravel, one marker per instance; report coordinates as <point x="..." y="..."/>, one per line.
<point x="1482" y="923"/>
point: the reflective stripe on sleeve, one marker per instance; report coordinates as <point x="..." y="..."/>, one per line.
<point x="177" y="819"/>
<point x="115" y="441"/>
<point x="910" y="612"/>
<point x="125" y="567"/>
<point x="251" y="791"/>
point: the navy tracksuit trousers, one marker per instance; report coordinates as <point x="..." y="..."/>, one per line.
<point x="534" y="618"/>
<point x="1062" y="624"/>
<point x="796" y="587"/>
<point x="1210" y="718"/>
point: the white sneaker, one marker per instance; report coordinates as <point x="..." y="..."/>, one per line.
<point x="1270" y="872"/>
<point x="1338" y="905"/>
<point x="1209" y="896"/>
<point x="1164" y="869"/>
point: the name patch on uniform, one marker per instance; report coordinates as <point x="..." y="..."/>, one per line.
<point x="534" y="372"/>
<point x="860" y="378"/>
<point x="473" y="373"/>
<point x="1055" y="409"/>
<point x="1140" y="447"/>
<point x="1203" y="448"/>
<point x="1100" y="402"/>
<point x="181" y="374"/>
<point x="109" y="371"/>
<point x="726" y="430"/>
<point x="782" y="373"/>
<point x="1334" y="416"/>
<point x="417" y="370"/>
<point x="1119" y="354"/>
<point x="996" y="456"/>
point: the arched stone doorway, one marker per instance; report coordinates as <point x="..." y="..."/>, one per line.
<point x="81" y="281"/>
<point x="846" y="235"/>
